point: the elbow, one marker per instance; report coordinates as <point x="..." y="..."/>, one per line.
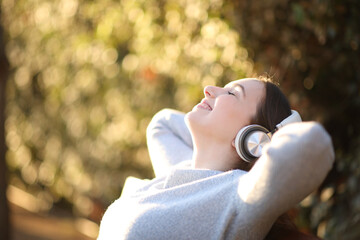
<point x="317" y="151"/>
<point x="321" y="144"/>
<point x="158" y="122"/>
<point x="307" y="143"/>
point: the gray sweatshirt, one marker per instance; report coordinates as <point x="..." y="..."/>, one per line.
<point x="186" y="203"/>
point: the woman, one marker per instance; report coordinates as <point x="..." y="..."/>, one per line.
<point x="201" y="189"/>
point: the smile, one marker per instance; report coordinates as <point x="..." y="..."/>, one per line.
<point x="204" y="105"/>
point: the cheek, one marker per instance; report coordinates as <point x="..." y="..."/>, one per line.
<point x="230" y="113"/>
<point x="228" y="118"/>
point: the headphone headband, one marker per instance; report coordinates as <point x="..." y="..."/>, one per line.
<point x="294" y="117"/>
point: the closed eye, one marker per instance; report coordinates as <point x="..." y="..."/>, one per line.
<point x="231" y="93"/>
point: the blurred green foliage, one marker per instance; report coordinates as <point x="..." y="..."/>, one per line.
<point x="87" y="76"/>
<point x="313" y="47"/>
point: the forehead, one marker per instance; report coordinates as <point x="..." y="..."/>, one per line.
<point x="253" y="89"/>
<point x="247" y="83"/>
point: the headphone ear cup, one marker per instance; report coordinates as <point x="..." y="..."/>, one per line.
<point x="250" y="141"/>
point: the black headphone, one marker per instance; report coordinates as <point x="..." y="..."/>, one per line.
<point x="250" y="140"/>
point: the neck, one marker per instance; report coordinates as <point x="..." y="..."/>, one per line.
<point x="213" y="156"/>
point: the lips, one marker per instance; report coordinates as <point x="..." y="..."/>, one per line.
<point x="204" y="105"/>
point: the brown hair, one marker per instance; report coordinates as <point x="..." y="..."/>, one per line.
<point x="285" y="229"/>
<point x="273" y="108"/>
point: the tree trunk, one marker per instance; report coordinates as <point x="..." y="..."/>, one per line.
<point x="4" y="208"/>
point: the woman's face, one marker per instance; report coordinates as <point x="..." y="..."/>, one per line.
<point x="224" y="111"/>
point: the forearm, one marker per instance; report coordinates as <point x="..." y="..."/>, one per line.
<point x="169" y="140"/>
<point x="293" y="165"/>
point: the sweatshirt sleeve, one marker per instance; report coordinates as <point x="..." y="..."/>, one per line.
<point x="169" y="140"/>
<point x="293" y="165"/>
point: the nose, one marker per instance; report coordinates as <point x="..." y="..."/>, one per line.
<point x="211" y="91"/>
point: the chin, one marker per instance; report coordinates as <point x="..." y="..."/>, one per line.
<point x="198" y="122"/>
<point x="190" y="118"/>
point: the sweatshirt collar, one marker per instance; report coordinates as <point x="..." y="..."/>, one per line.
<point x="184" y="176"/>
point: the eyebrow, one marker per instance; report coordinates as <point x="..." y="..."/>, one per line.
<point x="242" y="88"/>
